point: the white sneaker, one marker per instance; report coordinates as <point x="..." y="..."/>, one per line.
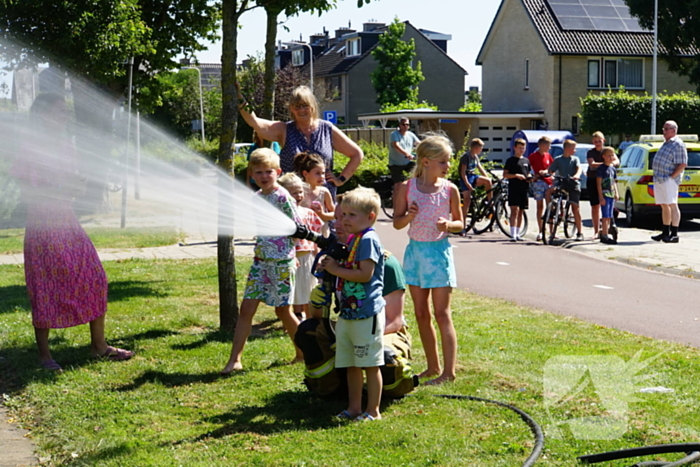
<point x="539" y="237"/>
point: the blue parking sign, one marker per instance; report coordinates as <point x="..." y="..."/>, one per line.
<point x="331" y="116"/>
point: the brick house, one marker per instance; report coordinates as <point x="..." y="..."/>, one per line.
<point x="343" y="65"/>
<point x="535" y="57"/>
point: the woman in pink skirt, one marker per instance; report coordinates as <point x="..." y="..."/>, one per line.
<point x="66" y="283"/>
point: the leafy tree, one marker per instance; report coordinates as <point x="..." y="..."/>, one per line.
<point x="180" y="102"/>
<point x="679" y="32"/>
<point x="395" y="80"/>
<point x="95" y="38"/>
<point x="473" y="103"/>
<point x="407" y="105"/>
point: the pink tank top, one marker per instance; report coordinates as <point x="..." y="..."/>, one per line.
<point x="431" y="206"/>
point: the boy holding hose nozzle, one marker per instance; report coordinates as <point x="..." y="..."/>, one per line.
<point x="316" y="337"/>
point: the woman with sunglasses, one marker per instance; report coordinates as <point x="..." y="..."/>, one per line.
<point x="306" y="132"/>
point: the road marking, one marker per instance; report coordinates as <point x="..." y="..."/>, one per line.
<point x="500" y="263"/>
<point x="603" y="287"/>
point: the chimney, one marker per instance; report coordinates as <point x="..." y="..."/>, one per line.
<point x="342" y="31"/>
<point x="372" y="25"/>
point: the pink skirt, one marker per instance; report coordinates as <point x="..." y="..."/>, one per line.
<point x="66" y="282"/>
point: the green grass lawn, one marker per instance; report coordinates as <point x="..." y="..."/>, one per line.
<point x="168" y="405"/>
<point x="11" y="240"/>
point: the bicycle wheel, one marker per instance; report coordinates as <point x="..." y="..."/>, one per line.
<point x="569" y="221"/>
<point x="544" y="234"/>
<point x="523" y="225"/>
<point x="483" y="217"/>
<point x="387" y="204"/>
<point x="503" y="216"/>
<point x="551" y="222"/>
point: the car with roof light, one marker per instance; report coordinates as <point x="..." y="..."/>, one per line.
<point x="635" y="179"/>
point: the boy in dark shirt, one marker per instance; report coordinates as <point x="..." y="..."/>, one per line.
<point x="517" y="171"/>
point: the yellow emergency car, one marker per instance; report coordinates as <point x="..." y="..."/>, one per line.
<point x="635" y="179"/>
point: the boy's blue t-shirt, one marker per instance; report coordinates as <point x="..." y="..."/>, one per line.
<point x="607" y="175"/>
<point x="364" y="300"/>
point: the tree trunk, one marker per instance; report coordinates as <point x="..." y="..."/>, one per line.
<point x="228" y="304"/>
<point x="269" y="79"/>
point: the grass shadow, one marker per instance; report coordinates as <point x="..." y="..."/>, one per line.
<point x="19" y="365"/>
<point x="170" y="380"/>
<point x="261" y="330"/>
<point x="13" y="297"/>
<point x="124" y="290"/>
<point x="284" y="411"/>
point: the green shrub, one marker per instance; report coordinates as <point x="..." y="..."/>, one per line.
<point x="620" y="112"/>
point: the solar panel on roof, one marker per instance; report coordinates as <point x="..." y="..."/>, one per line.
<point x="594" y="15"/>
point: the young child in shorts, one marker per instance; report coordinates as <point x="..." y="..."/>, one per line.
<point x="362" y="318"/>
<point x="272" y="274"/>
<point x="428" y="204"/>
<point x="306" y="250"/>
<point x="517" y="171"/>
<point x="540" y="161"/>
<point x="607" y="193"/>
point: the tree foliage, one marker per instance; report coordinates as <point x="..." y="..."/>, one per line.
<point x="621" y="112"/>
<point x="395" y="79"/>
<point x="679" y="32"/>
<point x="96" y="37"/>
<point x="473" y="103"/>
<point x="407" y="105"/>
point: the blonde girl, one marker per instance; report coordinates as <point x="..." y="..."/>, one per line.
<point x="305" y="249"/>
<point x="311" y="168"/>
<point x="429" y="204"/>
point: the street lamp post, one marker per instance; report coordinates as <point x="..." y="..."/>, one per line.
<point x="201" y="97"/>
<point x="654" y="67"/>
<point x="311" y="59"/>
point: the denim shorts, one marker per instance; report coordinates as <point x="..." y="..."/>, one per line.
<point x="539" y="189"/>
<point x="606" y="211"/>
<point x="430" y="265"/>
<point x="471" y="178"/>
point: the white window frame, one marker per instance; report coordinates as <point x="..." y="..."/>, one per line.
<point x="353" y="47"/>
<point x="600" y="63"/>
<point x="298" y="57"/>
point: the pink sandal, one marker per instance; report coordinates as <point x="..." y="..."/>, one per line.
<point x="116" y="355"/>
<point x="51" y="365"/>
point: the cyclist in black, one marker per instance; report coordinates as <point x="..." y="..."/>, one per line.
<point x="567" y="166"/>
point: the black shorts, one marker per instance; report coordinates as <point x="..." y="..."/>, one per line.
<point x="518" y="198"/>
<point x="573" y="188"/>
<point x="399" y="173"/>
<point x="592" y="187"/>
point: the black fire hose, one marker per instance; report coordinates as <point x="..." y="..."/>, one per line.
<point x="534" y="427"/>
<point x="691" y="449"/>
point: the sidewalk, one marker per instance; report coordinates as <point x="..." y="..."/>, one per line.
<point x="636" y="248"/>
<point x="194" y="250"/>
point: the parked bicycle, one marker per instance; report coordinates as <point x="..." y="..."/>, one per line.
<point x="384" y="187"/>
<point x="558" y="213"/>
<point x="483" y="212"/>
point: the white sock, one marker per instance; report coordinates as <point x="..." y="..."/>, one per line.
<point x="513" y="232"/>
<point x="517" y="231"/>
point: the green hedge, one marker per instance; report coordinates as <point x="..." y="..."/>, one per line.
<point x="621" y="112"/>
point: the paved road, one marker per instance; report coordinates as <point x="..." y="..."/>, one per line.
<point x="572" y="284"/>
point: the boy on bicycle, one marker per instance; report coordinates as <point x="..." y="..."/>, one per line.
<point x="469" y="164"/>
<point x="540" y="161"/>
<point x="569" y="169"/>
